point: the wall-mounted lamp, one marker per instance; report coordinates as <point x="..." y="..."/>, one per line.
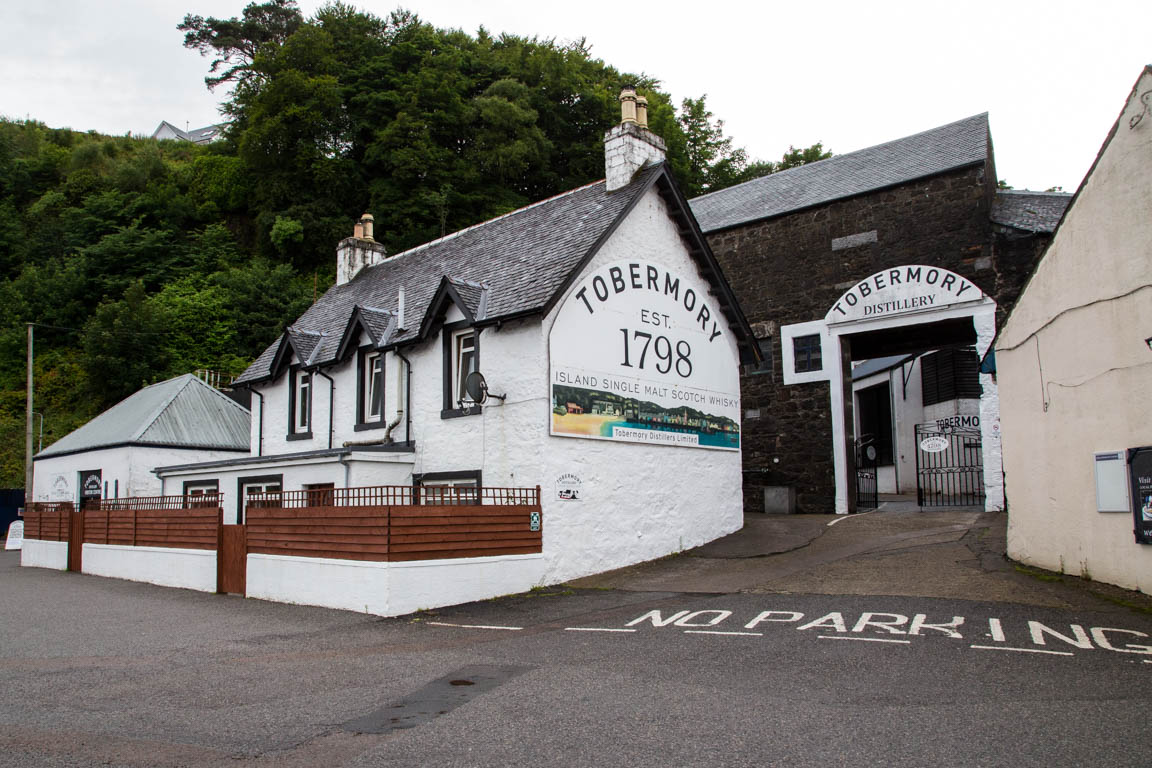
<point x="1148" y="341"/>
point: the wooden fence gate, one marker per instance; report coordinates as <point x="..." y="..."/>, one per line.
<point x="76" y="540"/>
<point x="232" y="560"/>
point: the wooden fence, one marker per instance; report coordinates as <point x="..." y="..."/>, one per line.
<point x="380" y="523"/>
<point x="181" y="522"/>
<point x="47" y="520"/>
<point x="384" y="524"/>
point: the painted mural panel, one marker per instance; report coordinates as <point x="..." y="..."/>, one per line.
<point x="640" y="353"/>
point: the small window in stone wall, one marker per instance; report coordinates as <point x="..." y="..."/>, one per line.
<point x="806" y="353"/>
<point x="950" y="374"/>
<point x="765" y="364"/>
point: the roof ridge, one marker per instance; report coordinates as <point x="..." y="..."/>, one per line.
<point x="1033" y="192"/>
<point x="779" y="174"/>
<point x="484" y="223"/>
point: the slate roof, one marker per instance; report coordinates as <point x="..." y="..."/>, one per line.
<point x="1029" y="211"/>
<point x="181" y="412"/>
<point x="956" y="145"/>
<point x="513" y="265"/>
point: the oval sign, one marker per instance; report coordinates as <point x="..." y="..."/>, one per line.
<point x="934" y="444"/>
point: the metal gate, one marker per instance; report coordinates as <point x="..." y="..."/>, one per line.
<point x="867" y="496"/>
<point x="949" y="466"/>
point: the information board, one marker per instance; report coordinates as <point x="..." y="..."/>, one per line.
<point x="1140" y="472"/>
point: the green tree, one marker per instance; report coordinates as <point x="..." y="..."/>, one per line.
<point x="236" y="42"/>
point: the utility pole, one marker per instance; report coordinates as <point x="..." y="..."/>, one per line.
<point x="28" y="430"/>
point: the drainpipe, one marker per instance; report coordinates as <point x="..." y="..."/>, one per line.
<point x="347" y="469"/>
<point x="331" y="401"/>
<point x="407" y="398"/>
<point x="260" y="426"/>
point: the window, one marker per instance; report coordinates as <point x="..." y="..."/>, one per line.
<point x="463" y="362"/>
<point x="950" y="374"/>
<point x="195" y="492"/>
<point x="370" y="389"/>
<point x="444" y="488"/>
<point x="461" y="357"/>
<point x="247" y="487"/>
<point x="806" y="353"/>
<point x="300" y="406"/>
<point x="320" y="494"/>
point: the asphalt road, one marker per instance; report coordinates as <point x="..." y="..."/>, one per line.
<point x="103" y="672"/>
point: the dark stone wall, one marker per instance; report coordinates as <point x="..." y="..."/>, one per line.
<point x="784" y="270"/>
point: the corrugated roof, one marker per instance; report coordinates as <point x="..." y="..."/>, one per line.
<point x="1029" y="211"/>
<point x="948" y="147"/>
<point x="521" y="259"/>
<point x="182" y="412"/>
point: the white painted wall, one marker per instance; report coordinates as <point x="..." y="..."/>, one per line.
<point x="44" y="554"/>
<point x="388" y="589"/>
<point x="168" y="567"/>
<point x="639" y="502"/>
<point x="56" y="477"/>
<point x="1074" y="370"/>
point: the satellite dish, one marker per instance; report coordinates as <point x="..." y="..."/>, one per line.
<point x="477" y="388"/>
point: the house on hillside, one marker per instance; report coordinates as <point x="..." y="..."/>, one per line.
<point x="906" y="253"/>
<point x="1074" y="367"/>
<point x="205" y="135"/>
<point x="180" y="420"/>
<point x="520" y="352"/>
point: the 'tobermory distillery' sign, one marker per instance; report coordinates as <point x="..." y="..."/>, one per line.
<point x="899" y="290"/>
<point x="642" y="354"/>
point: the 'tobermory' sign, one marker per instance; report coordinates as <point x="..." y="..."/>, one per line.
<point x="640" y="354"/>
<point x="899" y="290"/>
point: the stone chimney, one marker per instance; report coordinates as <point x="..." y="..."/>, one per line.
<point x="359" y="251"/>
<point x="630" y="146"/>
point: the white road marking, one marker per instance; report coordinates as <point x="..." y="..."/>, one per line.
<point x="470" y="626"/>
<point x="1021" y="650"/>
<point x="595" y="629"/>
<point x="839" y="518"/>
<point x="718" y="632"/>
<point x="865" y="639"/>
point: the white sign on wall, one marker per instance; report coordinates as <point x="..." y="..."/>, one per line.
<point x="901" y="290"/>
<point x="642" y="354"/>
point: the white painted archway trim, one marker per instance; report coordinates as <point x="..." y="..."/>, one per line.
<point x="983" y="315"/>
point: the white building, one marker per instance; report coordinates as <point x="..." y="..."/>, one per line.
<point x="1075" y="370"/>
<point x="610" y="343"/>
<point x="113" y="455"/>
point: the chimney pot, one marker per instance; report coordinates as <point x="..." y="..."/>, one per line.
<point x="367" y="221"/>
<point x="358" y="231"/>
<point x="642" y="111"/>
<point x="628" y="105"/>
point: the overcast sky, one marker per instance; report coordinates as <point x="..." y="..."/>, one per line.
<point x="1052" y="75"/>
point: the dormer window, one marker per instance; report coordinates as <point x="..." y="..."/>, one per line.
<point x="373" y="387"/>
<point x="464" y="363"/>
<point x="461" y="357"/>
<point x="370" y="409"/>
<point x="300" y="406"/>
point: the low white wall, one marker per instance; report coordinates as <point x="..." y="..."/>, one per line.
<point x="388" y="589"/>
<point x="168" y="567"/>
<point x="44" y="554"/>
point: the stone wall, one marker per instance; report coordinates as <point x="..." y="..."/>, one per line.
<point x="793" y="268"/>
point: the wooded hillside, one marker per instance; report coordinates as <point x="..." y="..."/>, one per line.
<point x="140" y="260"/>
